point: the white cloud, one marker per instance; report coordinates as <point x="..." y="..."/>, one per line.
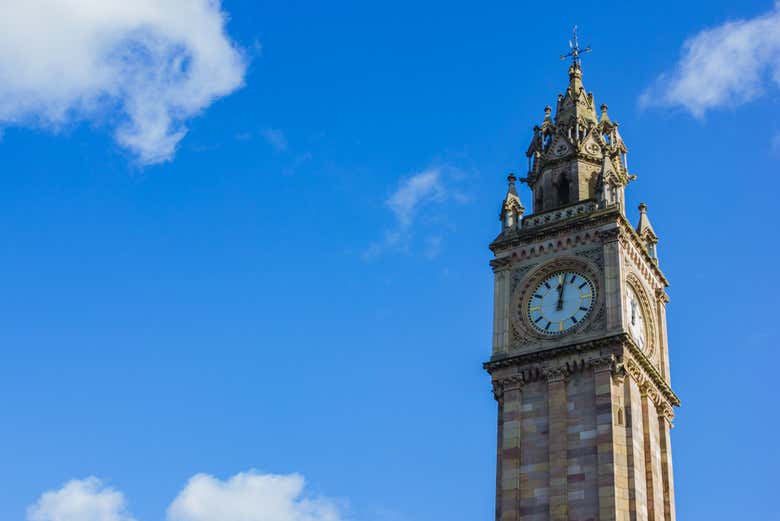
<point x="414" y="194"/>
<point x="80" y="500"/>
<point x="142" y="67"/>
<point x="727" y="65"/>
<point x="275" y="138"/>
<point x="248" y="496"/>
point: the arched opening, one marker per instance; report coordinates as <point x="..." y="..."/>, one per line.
<point x="562" y="187"/>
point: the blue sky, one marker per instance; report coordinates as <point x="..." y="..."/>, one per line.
<point x="262" y="248"/>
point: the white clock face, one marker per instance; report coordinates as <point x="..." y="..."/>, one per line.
<point x="560" y="302"/>
<point x="636" y="319"/>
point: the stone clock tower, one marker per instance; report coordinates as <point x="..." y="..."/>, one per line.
<point x="580" y="363"/>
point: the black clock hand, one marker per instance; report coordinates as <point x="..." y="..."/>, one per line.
<point x="560" y="293"/>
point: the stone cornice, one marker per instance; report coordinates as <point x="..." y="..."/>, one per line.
<point x="535" y="366"/>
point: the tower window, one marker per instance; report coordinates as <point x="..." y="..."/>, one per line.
<point x="563" y="190"/>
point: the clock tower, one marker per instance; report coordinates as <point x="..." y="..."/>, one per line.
<point x="580" y="361"/>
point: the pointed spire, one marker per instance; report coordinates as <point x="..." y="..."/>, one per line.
<point x="512" y="209"/>
<point x="644" y="228"/>
<point x="646" y="232"/>
<point x="547" y="111"/>
<point x="604" y="116"/>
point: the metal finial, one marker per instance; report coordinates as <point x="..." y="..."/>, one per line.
<point x="575" y="51"/>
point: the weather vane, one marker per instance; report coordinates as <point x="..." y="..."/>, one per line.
<point x="575" y="51"/>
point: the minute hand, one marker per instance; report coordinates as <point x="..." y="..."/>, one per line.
<point x="560" y="294"/>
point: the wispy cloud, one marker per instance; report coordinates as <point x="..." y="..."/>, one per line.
<point x="415" y="194"/>
<point x="249" y="496"/>
<point x="276" y="138"/>
<point x="726" y="65"/>
<point x="142" y="68"/>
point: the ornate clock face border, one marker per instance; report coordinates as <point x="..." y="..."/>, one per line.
<point x="648" y="311"/>
<point x="522" y="329"/>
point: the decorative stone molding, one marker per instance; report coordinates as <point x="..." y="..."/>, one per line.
<point x="604" y="363"/>
<point x="646" y="375"/>
<point x="629" y="360"/>
<point x="577" y="230"/>
<point x="666" y="412"/>
<point x="498" y="392"/>
<point x="611" y="235"/>
<point x="559" y="214"/>
<point x="519" y="274"/>
<point x="549" y="245"/>
<point x="501" y="263"/>
<point x="557" y="374"/>
<point x="636" y="250"/>
<point x="661" y="296"/>
<point x="595" y="255"/>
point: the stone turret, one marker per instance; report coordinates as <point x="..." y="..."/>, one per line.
<point x="576" y="155"/>
<point x="512" y="208"/>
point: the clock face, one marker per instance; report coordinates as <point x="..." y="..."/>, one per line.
<point x="560" y="302"/>
<point x="636" y="319"/>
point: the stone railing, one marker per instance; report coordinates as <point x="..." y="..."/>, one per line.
<point x="539" y="219"/>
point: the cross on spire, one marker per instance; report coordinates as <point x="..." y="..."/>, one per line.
<point x="575" y="51"/>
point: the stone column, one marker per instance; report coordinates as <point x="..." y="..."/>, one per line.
<point x="498" y="394"/>
<point x="508" y="508"/>
<point x="501" y="296"/>
<point x="605" y="442"/>
<point x="620" y="445"/>
<point x="665" y="424"/>
<point x="613" y="279"/>
<point x="635" y="451"/>
<point x="663" y="343"/>
<point x="558" y="430"/>
<point x="652" y="456"/>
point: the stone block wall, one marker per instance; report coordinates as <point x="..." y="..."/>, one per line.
<point x="581" y="445"/>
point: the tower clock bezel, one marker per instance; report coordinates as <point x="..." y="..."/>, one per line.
<point x="525" y="291"/>
<point x="633" y="283"/>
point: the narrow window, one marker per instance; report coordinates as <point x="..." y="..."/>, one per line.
<point x="563" y="190"/>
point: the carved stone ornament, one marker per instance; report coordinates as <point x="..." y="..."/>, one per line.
<point x="595" y="255"/>
<point x="522" y="331"/>
<point x="519" y="273"/>
<point x="661" y="296"/>
<point x="604" y="363"/>
<point x="557" y="374"/>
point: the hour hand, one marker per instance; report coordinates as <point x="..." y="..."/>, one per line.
<point x="561" y="283"/>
